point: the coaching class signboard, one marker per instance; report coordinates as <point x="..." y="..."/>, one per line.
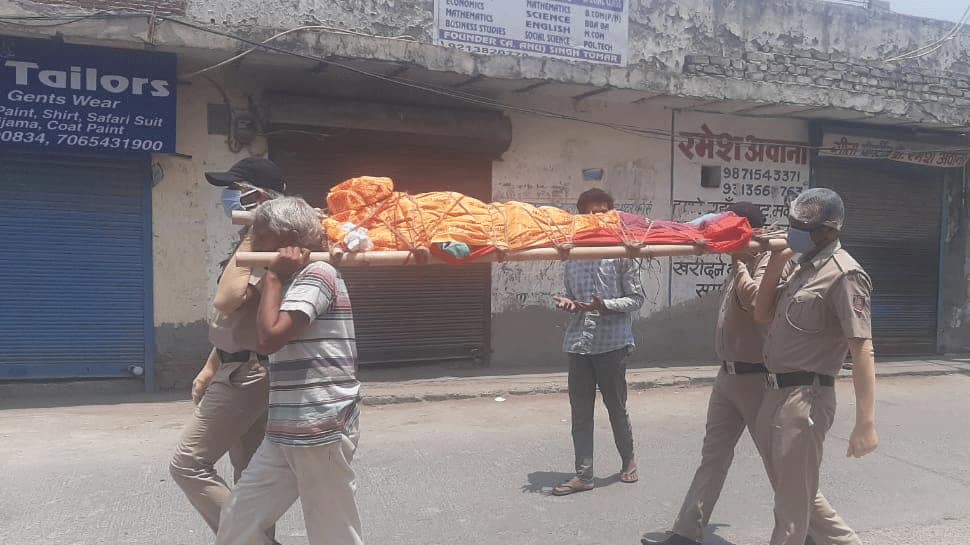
<point x="576" y="30"/>
<point x="72" y="98"/>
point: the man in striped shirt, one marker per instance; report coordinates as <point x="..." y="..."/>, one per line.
<point x="306" y="325"/>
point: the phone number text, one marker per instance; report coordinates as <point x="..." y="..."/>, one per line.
<point x="761" y="175"/>
<point x="80" y="141"/>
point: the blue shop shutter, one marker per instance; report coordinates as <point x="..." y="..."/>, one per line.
<point x="75" y="263"/>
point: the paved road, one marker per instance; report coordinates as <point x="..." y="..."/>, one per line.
<point x="478" y="472"/>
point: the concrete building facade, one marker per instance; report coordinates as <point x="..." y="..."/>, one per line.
<point x="750" y="100"/>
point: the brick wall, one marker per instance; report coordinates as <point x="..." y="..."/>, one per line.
<point x="161" y="7"/>
<point x="836" y="71"/>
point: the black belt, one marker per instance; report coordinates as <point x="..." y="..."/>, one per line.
<point x="799" y="378"/>
<point x="743" y="368"/>
<point x="233" y="357"/>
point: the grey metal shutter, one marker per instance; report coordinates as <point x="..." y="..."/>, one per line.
<point x="419" y="313"/>
<point x="76" y="265"/>
<point x="893" y="225"/>
<point x="402" y="314"/>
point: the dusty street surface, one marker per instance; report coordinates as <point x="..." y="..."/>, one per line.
<point x="479" y="471"/>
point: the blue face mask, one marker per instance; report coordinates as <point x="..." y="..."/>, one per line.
<point x="800" y="240"/>
<point x="232" y="200"/>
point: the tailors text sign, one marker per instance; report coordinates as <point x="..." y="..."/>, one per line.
<point x="577" y="30"/>
<point x="72" y="98"/>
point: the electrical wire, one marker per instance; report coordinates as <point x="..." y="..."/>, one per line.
<point x="67" y="19"/>
<point x="860" y="3"/>
<point x="934" y="46"/>
<point x="62" y="16"/>
<point x="655" y="134"/>
<point x="926" y="53"/>
<point x="231" y="142"/>
<point x="450" y="93"/>
<point x="290" y="31"/>
<point x="664" y="135"/>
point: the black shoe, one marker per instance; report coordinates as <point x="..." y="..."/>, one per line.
<point x="672" y="539"/>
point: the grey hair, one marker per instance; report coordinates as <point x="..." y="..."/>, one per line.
<point x="290" y="215"/>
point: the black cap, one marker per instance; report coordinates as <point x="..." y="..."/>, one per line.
<point x="255" y="171"/>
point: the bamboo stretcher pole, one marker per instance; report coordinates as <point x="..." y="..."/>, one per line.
<point x="240" y="217"/>
<point x="403" y="257"/>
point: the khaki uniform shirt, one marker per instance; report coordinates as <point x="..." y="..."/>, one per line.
<point x="738" y="338"/>
<point x="235" y="281"/>
<point x="825" y="302"/>
<point x="233" y="319"/>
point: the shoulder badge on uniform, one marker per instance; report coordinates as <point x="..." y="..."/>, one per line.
<point x="845" y="262"/>
<point x="860" y="303"/>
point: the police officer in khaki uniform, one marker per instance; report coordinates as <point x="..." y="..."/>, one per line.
<point x="232" y="389"/>
<point x="737" y="391"/>
<point x="815" y="317"/>
<point x="737" y="394"/>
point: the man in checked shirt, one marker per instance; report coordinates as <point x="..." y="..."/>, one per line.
<point x="602" y="295"/>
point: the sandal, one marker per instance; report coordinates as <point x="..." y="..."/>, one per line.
<point x="571" y="487"/>
<point x="630" y="474"/>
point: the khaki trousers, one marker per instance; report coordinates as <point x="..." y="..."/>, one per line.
<point x="320" y="476"/>
<point x="791" y="428"/>
<point x="231" y="418"/>
<point x="734" y="404"/>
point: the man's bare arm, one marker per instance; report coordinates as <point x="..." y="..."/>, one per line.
<point x="277" y="327"/>
<point x="864" y="439"/>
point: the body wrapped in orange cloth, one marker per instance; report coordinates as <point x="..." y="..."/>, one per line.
<point x="368" y="209"/>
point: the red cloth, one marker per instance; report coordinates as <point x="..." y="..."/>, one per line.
<point x="726" y="233"/>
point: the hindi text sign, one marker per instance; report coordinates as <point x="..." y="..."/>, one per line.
<point x="863" y="147"/>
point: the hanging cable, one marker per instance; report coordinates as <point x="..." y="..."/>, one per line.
<point x="275" y="37"/>
<point x="67" y="19"/>
<point x="450" y="93"/>
<point x="231" y="142"/>
<point x="934" y="46"/>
